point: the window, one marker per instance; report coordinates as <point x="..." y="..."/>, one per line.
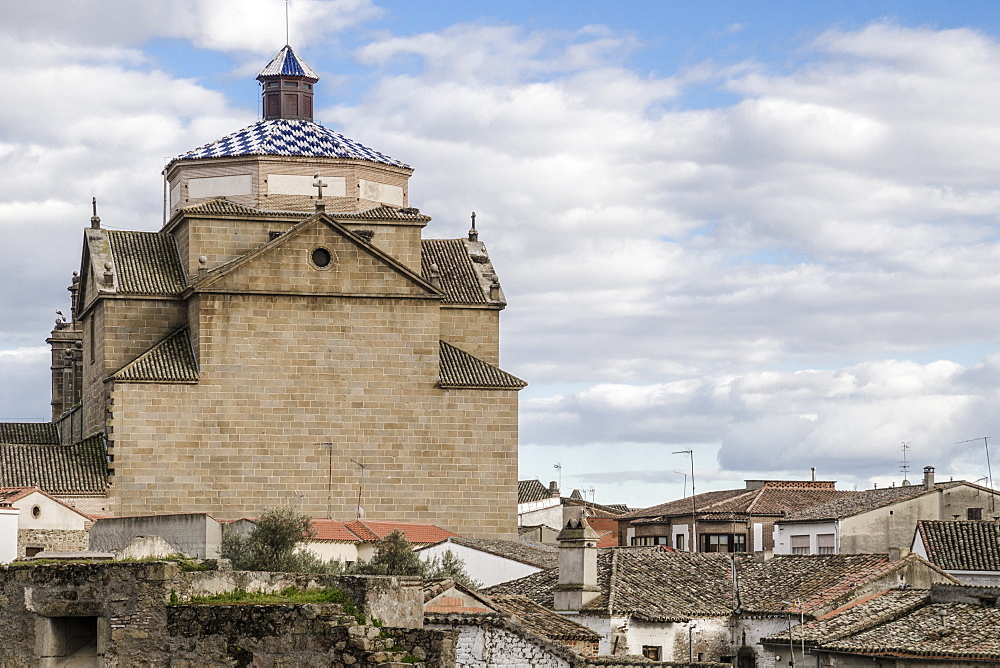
<point x="36" y="512"/>
<point x="974" y="514"/>
<point x="650" y="540"/>
<point x="723" y="542"/>
<point x="32" y="551"/>
<point x="800" y="544"/>
<point x="679" y="541"/>
<point x="651" y="652"/>
<point x="321" y="258"/>
<point x="826" y="543"/>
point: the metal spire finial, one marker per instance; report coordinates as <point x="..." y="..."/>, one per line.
<point x="95" y="220"/>
<point x="473" y="234"/>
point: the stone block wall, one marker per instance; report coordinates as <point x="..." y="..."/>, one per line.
<point x="51" y="540"/>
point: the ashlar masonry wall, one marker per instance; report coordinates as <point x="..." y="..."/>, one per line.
<point x="358" y="373"/>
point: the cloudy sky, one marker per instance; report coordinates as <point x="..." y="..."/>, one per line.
<point x="763" y="232"/>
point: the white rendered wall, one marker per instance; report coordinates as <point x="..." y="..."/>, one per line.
<point x="294" y="184"/>
<point x="783" y="533"/>
<point x="50" y="514"/>
<point x="488" y="569"/>
<point x="333" y="550"/>
<point x="8" y="534"/>
<point x="218" y="186"/>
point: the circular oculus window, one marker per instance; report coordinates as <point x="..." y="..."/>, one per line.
<point x="321" y="257"/>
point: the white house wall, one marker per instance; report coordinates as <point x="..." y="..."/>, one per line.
<point x="488" y="646"/>
<point x="784" y="531"/>
<point x="488" y="569"/>
<point x="547" y="512"/>
<point x="8" y="534"/>
<point x="50" y="514"/>
<point x="333" y="551"/>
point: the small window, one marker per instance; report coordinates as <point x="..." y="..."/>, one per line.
<point x="36" y="512"/>
<point x="321" y="257"/>
<point x="651" y="652"/>
<point x="32" y="551"/>
<point x="272" y="84"/>
<point x="679" y="541"/>
<point x="308" y="86"/>
<point x="826" y="543"/>
<point x="291" y="84"/>
<point x="974" y="514"/>
<point x="800" y="544"/>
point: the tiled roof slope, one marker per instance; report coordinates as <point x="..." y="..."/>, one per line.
<point x="529" y="491"/>
<point x="289" y="137"/>
<point x="459" y="280"/>
<point x="532" y="554"/>
<point x="775" y="500"/>
<point x="56" y="469"/>
<point x="35" y="433"/>
<point x="369" y="530"/>
<point x="460" y="369"/>
<point x="860" y="502"/>
<point x="962" y="545"/>
<point x="146" y="263"/>
<point x="940" y="630"/>
<point x="543" y="621"/>
<point x="855" y="617"/>
<point x="169" y="361"/>
<point x="287" y="63"/>
<point x="661" y="585"/>
<point x="223" y="207"/>
<point x="383" y="213"/>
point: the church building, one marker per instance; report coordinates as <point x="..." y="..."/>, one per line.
<point x="287" y="337"/>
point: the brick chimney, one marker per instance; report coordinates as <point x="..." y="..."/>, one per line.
<point x="577" y="561"/>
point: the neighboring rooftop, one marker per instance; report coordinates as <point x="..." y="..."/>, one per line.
<point x="854" y="617"/>
<point x="768" y="497"/>
<point x="541" y="620"/>
<point x="371" y="531"/>
<point x="532" y="554"/>
<point x="961" y="545"/>
<point x="659" y="585"/>
<point x="872" y="499"/>
<point x="529" y="491"/>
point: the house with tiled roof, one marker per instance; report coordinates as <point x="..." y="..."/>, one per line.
<point x="731" y="520"/>
<point x="506" y="630"/>
<point x="540" y="512"/>
<point x="879" y="520"/>
<point x="947" y="625"/>
<point x="287" y="333"/>
<point x="491" y="561"/>
<point x="44" y="523"/>
<point x="969" y="550"/>
<point x="646" y="600"/>
<point x="354" y="540"/>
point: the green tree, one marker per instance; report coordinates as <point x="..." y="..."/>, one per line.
<point x="271" y="544"/>
<point x="393" y="556"/>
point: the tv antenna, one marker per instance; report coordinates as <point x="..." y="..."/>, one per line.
<point x="329" y="482"/>
<point x="905" y="465"/>
<point x="286" y="23"/>
<point x="989" y="469"/>
<point x="685" y="481"/>
<point x="558" y="467"/>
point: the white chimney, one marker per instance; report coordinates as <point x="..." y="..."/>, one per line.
<point x="577" y="561"/>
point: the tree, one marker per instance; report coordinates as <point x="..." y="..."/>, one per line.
<point x="393" y="556"/>
<point x="271" y="544"/>
<point x="449" y="565"/>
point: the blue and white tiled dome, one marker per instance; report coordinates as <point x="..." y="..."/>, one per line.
<point x="292" y="138"/>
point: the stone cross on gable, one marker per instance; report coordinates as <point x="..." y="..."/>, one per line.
<point x="319" y="185"/>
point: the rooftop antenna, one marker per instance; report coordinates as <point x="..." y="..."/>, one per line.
<point x="558" y="467"/>
<point x="286" y="24"/>
<point x="329" y="483"/>
<point x="685" y="481"/>
<point x="905" y="466"/>
<point x="989" y="469"/>
<point x="694" y="518"/>
<point x="361" y="486"/>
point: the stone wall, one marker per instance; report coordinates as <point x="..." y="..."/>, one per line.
<point x="123" y="610"/>
<point x="51" y="540"/>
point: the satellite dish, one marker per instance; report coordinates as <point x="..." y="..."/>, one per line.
<point x="361" y="512"/>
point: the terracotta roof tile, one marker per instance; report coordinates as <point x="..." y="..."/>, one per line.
<point x="542" y="621"/>
<point x="169" y="361"/>
<point x="368" y="530"/>
<point x="945" y="630"/>
<point x="223" y="207"/>
<point x="460" y="369"/>
<point x="383" y="213"/>
<point x="35" y="433"/>
<point x="855" y="617"/>
<point x="146" y="263"/>
<point x="333" y="530"/>
<point x="460" y="281"/>
<point x="776" y="500"/>
<point x="56" y="469"/>
<point x="660" y="585"/>
<point x="962" y="545"/>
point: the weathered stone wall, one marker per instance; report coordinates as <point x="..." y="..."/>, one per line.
<point x="51" y="540"/>
<point x="474" y="330"/>
<point x="489" y="643"/>
<point x="195" y="534"/>
<point x="123" y="610"/>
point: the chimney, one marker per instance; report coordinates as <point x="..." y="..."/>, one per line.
<point x="928" y="477"/>
<point x="898" y="553"/>
<point x="813" y="469"/>
<point x="553" y="488"/>
<point x="577" y="562"/>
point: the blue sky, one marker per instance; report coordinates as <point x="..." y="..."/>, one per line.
<point x="767" y="232"/>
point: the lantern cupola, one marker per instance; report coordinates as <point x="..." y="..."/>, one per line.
<point x="287" y="87"/>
